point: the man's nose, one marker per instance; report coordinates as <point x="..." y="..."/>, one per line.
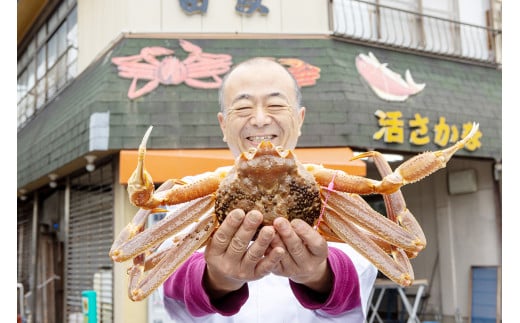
<point x="260" y="117"/>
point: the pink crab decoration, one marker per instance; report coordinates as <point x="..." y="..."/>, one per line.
<point x="194" y="70"/>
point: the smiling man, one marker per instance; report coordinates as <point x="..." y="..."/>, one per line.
<point x="260" y="100"/>
<point x="289" y="273"/>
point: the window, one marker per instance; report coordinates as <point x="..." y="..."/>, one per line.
<point x="448" y="28"/>
<point x="48" y="64"/>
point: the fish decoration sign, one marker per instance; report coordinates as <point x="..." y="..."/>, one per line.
<point x="386" y="84"/>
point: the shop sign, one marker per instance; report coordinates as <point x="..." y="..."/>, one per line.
<point x="243" y="7"/>
<point x="392" y="130"/>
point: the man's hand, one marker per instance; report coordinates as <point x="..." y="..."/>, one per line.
<point x="231" y="259"/>
<point x="305" y="261"/>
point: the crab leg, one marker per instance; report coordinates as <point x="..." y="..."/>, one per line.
<point x="420" y="166"/>
<point x="141" y="188"/>
<point x="329" y="235"/>
<point x="356" y="210"/>
<point x="410" y="171"/>
<point x="172" y="224"/>
<point x="140" y="184"/>
<point x="396" y="205"/>
<point x="397" y="270"/>
<point x="138" y="222"/>
<point x="141" y="285"/>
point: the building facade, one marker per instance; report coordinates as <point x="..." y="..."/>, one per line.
<point x="400" y="77"/>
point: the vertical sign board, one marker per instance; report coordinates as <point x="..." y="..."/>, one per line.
<point x="485" y="289"/>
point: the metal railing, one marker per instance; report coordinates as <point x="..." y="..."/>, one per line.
<point x="364" y="21"/>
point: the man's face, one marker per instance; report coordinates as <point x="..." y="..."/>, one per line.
<point x="260" y="104"/>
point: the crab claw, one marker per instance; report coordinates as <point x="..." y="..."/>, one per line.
<point x="149" y="53"/>
<point x="190" y="47"/>
<point x="140" y="184"/>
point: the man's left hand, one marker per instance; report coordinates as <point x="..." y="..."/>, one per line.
<point x="305" y="261"/>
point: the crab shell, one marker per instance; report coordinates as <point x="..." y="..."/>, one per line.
<point x="272" y="181"/>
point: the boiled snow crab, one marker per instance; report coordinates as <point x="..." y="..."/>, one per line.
<point x="272" y="180"/>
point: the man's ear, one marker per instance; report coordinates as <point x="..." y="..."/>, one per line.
<point x="222" y="123"/>
<point x="301" y="114"/>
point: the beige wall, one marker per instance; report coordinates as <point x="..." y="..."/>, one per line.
<point x="468" y="234"/>
<point x="101" y="22"/>
<point x="124" y="310"/>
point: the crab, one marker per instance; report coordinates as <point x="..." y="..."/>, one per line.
<point x="273" y="181"/>
<point x="195" y="70"/>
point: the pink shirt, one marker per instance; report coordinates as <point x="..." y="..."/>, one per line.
<point x="185" y="286"/>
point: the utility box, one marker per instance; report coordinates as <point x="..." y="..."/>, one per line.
<point x="89" y="305"/>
